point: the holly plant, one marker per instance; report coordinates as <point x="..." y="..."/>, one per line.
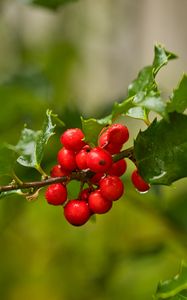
<point x="96" y="154"/>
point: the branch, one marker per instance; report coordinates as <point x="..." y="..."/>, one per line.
<point x="78" y="175"/>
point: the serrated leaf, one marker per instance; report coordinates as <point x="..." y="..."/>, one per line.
<point x="161" y="58"/>
<point x="9" y="193"/>
<point x="26" y="148"/>
<point x="143" y="92"/>
<point x="44" y="136"/>
<point x="175" y="288"/>
<point x="143" y="82"/>
<point x="53" y="4"/>
<point x="7" y="160"/>
<point x="178" y="100"/>
<point x="32" y="143"/>
<point x="161" y="150"/>
<point x="92" y="127"/>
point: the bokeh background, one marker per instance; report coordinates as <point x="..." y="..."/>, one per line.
<point x="77" y="61"/>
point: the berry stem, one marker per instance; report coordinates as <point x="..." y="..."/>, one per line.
<point x="17" y="179"/>
<point x="42" y="172"/>
<point x="128" y="153"/>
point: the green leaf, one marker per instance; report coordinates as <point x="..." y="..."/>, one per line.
<point x="26" y="148"/>
<point x="144" y="81"/>
<point x="9" y="193"/>
<point x="43" y="137"/>
<point x="143" y="94"/>
<point x="32" y="143"/>
<point x="161" y="150"/>
<point x="7" y="160"/>
<point x="161" y="58"/>
<point x="175" y="288"/>
<point x="92" y="127"/>
<point x="179" y="97"/>
<point x="53" y="4"/>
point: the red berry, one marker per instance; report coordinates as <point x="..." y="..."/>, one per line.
<point x="111" y="187"/>
<point x="104" y="142"/>
<point x="57" y="171"/>
<point x="56" y="194"/>
<point x="118" y="134"/>
<point x="118" y="168"/>
<point x="85" y="194"/>
<point x="99" y="160"/>
<point x="98" y="204"/>
<point x="72" y="139"/>
<point x="66" y="159"/>
<point x="140" y="184"/>
<point x="77" y="212"/>
<point x="81" y="158"/>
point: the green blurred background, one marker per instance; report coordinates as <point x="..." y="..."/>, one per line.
<point x="78" y="60"/>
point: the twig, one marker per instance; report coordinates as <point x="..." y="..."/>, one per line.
<point x="83" y="176"/>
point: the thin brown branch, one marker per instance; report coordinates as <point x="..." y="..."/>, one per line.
<point x="78" y="175"/>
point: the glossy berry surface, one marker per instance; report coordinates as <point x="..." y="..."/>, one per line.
<point x="81" y="158"/>
<point x="99" y="160"/>
<point x="56" y="194"/>
<point x="72" y="139"/>
<point x="77" y="212"/>
<point x="139" y="183"/>
<point x="105" y="143"/>
<point x="57" y="171"/>
<point x="66" y="158"/>
<point x="85" y="194"/>
<point x="118" y="134"/>
<point x="118" y="168"/>
<point x="111" y="187"/>
<point x="98" y="204"/>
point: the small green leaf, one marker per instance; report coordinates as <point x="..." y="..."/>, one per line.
<point x="32" y="143"/>
<point x="9" y="193"/>
<point x="161" y="150"/>
<point x="43" y="137"/>
<point x="26" y="148"/>
<point x="92" y="127"/>
<point x="7" y="160"/>
<point x="53" y="4"/>
<point x="143" y="94"/>
<point x="137" y="113"/>
<point x="179" y="97"/>
<point x="139" y="105"/>
<point x="175" y="288"/>
<point x="161" y="58"/>
<point x="144" y="81"/>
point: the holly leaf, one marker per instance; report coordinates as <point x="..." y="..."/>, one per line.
<point x="143" y="94"/>
<point x="161" y="150"/>
<point x="26" y="148"/>
<point x="44" y="136"/>
<point x="53" y="4"/>
<point x="7" y="160"/>
<point x="175" y="288"/>
<point x="178" y="101"/>
<point x="9" y="193"/>
<point x="92" y="128"/>
<point x="32" y="143"/>
<point x="161" y="58"/>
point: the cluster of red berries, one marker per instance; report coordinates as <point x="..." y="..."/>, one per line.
<point x="103" y="183"/>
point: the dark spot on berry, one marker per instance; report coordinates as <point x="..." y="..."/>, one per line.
<point x="102" y="162"/>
